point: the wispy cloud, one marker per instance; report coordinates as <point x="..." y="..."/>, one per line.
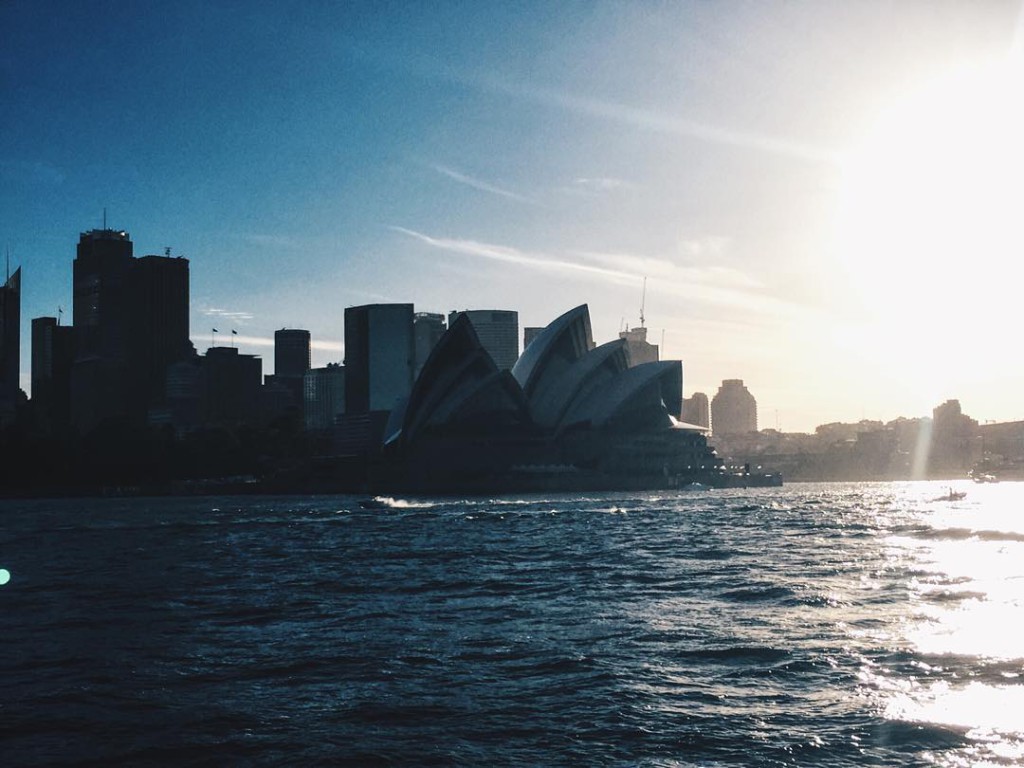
<point x="515" y="256"/>
<point x="602" y="184"/>
<point x="705" y="284"/>
<point x="649" y="119"/>
<point x="231" y="316"/>
<point x="328" y="346"/>
<point x="227" y="338"/>
<point x="475" y="183"/>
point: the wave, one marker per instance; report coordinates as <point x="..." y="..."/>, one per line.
<point x="390" y="502"/>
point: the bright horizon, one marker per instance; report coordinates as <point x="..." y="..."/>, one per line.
<point x="822" y="197"/>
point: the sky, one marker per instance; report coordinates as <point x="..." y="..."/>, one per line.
<point x="823" y="197"/>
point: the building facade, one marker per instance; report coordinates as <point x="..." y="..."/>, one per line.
<point x="498" y="331"/>
<point x="52" y="357"/>
<point x="292" y="359"/>
<point x="131" y="321"/>
<point x="379" y="356"/>
<point x="696" y="410"/>
<point x="640" y="350"/>
<point x="324" y="396"/>
<point x="291" y="352"/>
<point x="159" y="317"/>
<point x="10" y="346"/>
<point x="733" y="410"/>
<point x="231" y="387"/>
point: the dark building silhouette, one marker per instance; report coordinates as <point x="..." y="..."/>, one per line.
<point x="231" y="387"/>
<point x="291" y="352"/>
<point x="953" y="447"/>
<point x="379" y="356"/>
<point x="52" y="357"/>
<point x="183" y="406"/>
<point x="733" y="410"/>
<point x="696" y="410"/>
<point x="159" y="322"/>
<point x="640" y="350"/>
<point x="530" y="332"/>
<point x="291" y="361"/>
<point x="427" y="329"/>
<point x="130" y="323"/>
<point x="324" y="396"/>
<point x="498" y="331"/>
<point x="10" y="345"/>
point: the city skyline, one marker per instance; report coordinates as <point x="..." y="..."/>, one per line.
<point x="789" y="180"/>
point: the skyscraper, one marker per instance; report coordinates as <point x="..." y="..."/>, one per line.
<point x="291" y="352"/>
<point x="52" y="356"/>
<point x="696" y="411"/>
<point x="130" y="323"/>
<point x="291" y="362"/>
<point x="10" y="345"/>
<point x="160" y="323"/>
<point x="733" y="410"/>
<point x="498" y="331"/>
<point x="231" y="386"/>
<point x="324" y="396"/>
<point x="379" y="356"/>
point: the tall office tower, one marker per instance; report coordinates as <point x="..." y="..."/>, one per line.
<point x="231" y="386"/>
<point x="498" y="331"/>
<point x="324" y="396"/>
<point x="640" y="351"/>
<point x="102" y="295"/>
<point x="130" y="323"/>
<point x="379" y="356"/>
<point x="159" y="324"/>
<point x="52" y="356"/>
<point x="953" y="439"/>
<point x="427" y="330"/>
<point x="10" y="345"/>
<point x="291" y="361"/>
<point x="291" y="352"/>
<point x="733" y="410"/>
<point x="530" y="332"/>
<point x="695" y="410"/>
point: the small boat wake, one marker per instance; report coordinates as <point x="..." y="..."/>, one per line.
<point x="389" y="502"/>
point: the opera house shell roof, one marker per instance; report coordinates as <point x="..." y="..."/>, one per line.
<point x="568" y="409"/>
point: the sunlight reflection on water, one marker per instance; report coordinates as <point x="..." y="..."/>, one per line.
<point x="966" y="607"/>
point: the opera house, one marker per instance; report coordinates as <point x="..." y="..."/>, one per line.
<point x="569" y="416"/>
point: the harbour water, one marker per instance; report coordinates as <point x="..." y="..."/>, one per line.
<point x="833" y="624"/>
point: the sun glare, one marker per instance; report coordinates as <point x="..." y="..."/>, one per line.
<point x="930" y="225"/>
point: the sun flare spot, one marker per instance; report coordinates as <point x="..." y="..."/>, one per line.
<point x="930" y="225"/>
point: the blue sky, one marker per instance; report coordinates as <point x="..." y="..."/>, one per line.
<point x="532" y="156"/>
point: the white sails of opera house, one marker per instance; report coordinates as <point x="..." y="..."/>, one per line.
<point x="568" y="416"/>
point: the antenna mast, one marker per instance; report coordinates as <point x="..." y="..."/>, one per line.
<point x="643" y="300"/>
